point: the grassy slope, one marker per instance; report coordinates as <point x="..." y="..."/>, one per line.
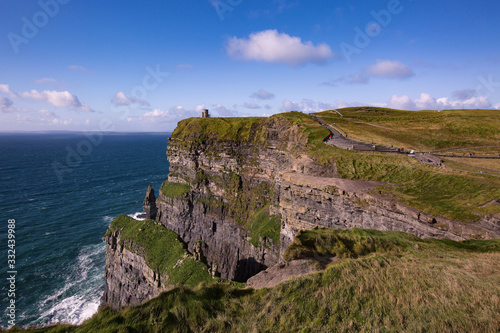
<point x="421" y="130"/>
<point x="162" y="249"/>
<point x="401" y="283"/>
<point x="438" y="191"/>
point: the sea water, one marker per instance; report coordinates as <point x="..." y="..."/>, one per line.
<point x="63" y="190"/>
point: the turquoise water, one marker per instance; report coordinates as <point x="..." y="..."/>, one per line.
<point x="60" y="220"/>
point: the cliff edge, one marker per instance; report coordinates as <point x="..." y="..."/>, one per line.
<point x="240" y="189"/>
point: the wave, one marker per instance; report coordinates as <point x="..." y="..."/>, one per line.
<point x="140" y="216"/>
<point x="108" y="218"/>
<point x="80" y="296"/>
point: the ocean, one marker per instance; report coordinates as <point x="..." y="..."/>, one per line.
<point x="63" y="190"/>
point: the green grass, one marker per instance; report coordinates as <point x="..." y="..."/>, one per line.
<point x="419" y="130"/>
<point x="346" y="243"/>
<point x="202" y="130"/>
<point x="174" y="190"/>
<point x="402" y="284"/>
<point x="162" y="249"/>
<point x="434" y="190"/>
<point x="264" y="225"/>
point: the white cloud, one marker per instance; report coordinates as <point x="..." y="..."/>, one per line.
<point x="222" y="111"/>
<point x="43" y="116"/>
<point x="497" y="106"/>
<point x="5" y="105"/>
<point x="262" y="94"/>
<point x="271" y="46"/>
<point x="56" y="98"/>
<point x="389" y="69"/>
<point x="173" y="114"/>
<point x="252" y="106"/>
<point x="120" y="99"/>
<point x="62" y="122"/>
<point x="307" y="105"/>
<point x="428" y="102"/>
<point x="403" y="102"/>
<point x="6" y="90"/>
<point x="47" y="113"/>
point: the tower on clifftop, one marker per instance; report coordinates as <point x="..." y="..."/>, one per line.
<point x="205" y="114"/>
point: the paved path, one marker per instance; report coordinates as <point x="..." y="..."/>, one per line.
<point x="339" y="140"/>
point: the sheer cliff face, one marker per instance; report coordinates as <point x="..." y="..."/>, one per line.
<point x="129" y="280"/>
<point x="231" y="199"/>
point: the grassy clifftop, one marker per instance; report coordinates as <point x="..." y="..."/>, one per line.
<point x="401" y="284"/>
<point x="221" y="129"/>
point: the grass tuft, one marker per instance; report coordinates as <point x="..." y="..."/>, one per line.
<point x="174" y="190"/>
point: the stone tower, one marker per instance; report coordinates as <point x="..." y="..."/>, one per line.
<point x="205" y="114"/>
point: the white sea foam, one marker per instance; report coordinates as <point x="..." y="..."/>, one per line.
<point x="79" y="298"/>
<point x="108" y="218"/>
<point x="140" y="216"/>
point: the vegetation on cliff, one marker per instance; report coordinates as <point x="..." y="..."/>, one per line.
<point x="162" y="249"/>
<point x="347" y="243"/>
<point x="202" y="130"/>
<point x="389" y="281"/>
<point x="174" y="190"/>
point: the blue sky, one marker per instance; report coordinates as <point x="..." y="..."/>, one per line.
<point x="144" y="65"/>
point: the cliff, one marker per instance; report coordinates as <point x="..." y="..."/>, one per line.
<point x="240" y="189"/>
<point x="144" y="259"/>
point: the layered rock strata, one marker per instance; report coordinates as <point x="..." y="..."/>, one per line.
<point x="237" y="203"/>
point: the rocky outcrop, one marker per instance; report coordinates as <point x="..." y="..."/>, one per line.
<point x="307" y="202"/>
<point x="282" y="272"/>
<point x="149" y="204"/>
